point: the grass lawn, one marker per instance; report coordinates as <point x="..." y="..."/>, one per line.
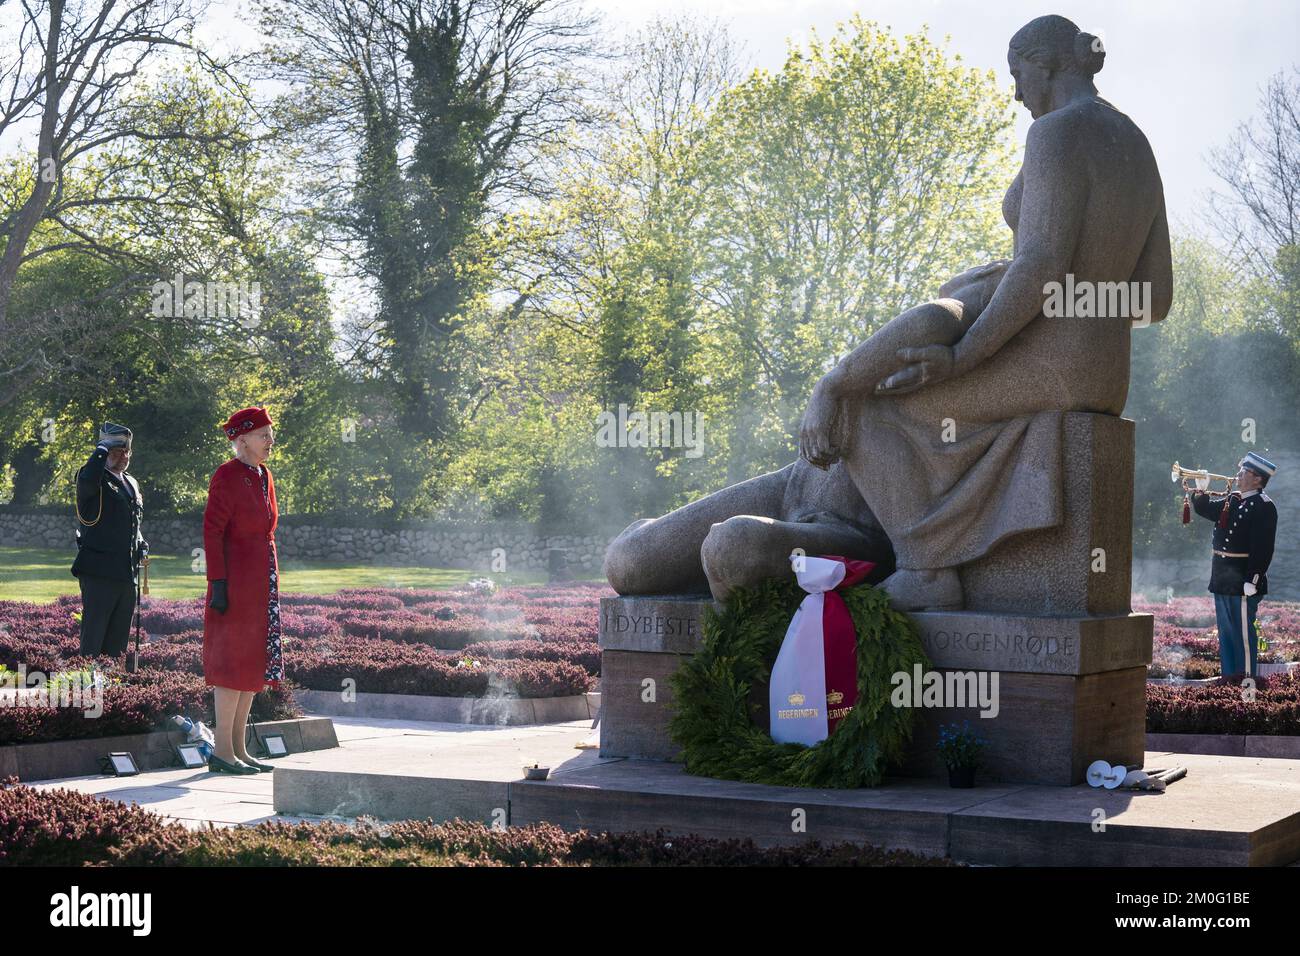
<point x="40" y="574"/>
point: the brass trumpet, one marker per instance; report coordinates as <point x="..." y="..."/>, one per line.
<point x="1201" y="477"/>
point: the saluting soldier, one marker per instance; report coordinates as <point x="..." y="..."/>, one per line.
<point x="109" y="543"/>
<point x="1245" y="525"/>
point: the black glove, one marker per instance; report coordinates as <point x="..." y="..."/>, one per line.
<point x="114" y="436"/>
<point x="219" y="601"/>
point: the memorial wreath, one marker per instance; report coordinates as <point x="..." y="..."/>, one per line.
<point x="714" y="723"/>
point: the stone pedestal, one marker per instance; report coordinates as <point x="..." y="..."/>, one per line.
<point x="642" y="642"/>
<point x="1069" y="690"/>
<point x="1049" y="618"/>
<point x="1058" y="571"/>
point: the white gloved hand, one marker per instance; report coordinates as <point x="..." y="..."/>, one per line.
<point x="1248" y="588"/>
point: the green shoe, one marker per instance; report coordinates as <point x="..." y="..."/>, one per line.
<point x="217" y="765"/>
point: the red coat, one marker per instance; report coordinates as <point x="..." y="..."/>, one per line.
<point x="236" y="532"/>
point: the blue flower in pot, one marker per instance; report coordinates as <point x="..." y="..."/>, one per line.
<point x="962" y="751"/>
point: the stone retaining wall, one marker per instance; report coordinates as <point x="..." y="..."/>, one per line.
<point x="523" y="548"/>
<point x="471" y="546"/>
<point x="1156" y="578"/>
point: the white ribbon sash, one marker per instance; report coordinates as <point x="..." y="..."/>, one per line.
<point x="797" y="693"/>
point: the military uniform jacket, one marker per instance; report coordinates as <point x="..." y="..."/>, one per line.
<point x="108" y="535"/>
<point x="1251" y="528"/>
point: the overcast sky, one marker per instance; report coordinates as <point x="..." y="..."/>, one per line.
<point x="1187" y="71"/>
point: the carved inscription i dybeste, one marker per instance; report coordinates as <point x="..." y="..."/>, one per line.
<point x="660" y="625"/>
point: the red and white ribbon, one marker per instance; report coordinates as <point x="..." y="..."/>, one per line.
<point x="814" y="681"/>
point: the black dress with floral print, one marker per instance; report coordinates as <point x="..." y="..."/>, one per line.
<point x="274" y="662"/>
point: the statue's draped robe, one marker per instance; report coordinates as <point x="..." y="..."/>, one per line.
<point x="944" y="503"/>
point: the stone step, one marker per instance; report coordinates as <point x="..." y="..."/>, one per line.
<point x="1228" y="811"/>
<point x="50" y="760"/>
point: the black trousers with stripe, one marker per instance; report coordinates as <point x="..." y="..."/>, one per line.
<point x="106" y="609"/>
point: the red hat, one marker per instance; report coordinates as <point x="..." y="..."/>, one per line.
<point x="245" y="420"/>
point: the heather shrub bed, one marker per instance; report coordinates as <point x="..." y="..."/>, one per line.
<point x="388" y="667"/>
<point x="36" y="637"/>
<point x="410" y="626"/>
<point x="1186" y="635"/>
<point x="1219" y="708"/>
<point x="585" y="654"/>
<point x="64" y="827"/>
<point x="521" y="642"/>
<point x="381" y="666"/>
<point x="132" y="704"/>
<point x="459" y="643"/>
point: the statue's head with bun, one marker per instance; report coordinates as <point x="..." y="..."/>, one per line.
<point x="1049" y="58"/>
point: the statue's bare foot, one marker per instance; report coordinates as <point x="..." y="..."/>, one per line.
<point x="924" y="590"/>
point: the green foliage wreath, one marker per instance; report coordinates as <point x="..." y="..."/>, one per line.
<point x="713" y="722"/>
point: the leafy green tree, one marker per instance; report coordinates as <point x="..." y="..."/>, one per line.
<point x="173" y="374"/>
<point x="432" y="113"/>
<point x="72" y="72"/>
<point x="844" y="189"/>
<point x="1216" y="371"/>
<point x="725" y="238"/>
<point x="604" y="279"/>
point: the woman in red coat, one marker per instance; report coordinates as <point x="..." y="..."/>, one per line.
<point x="241" y="625"/>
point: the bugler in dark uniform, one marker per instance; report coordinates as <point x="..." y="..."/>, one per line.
<point x="1245" y="525"/>
<point x="109" y="544"/>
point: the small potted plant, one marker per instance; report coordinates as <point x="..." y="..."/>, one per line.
<point x="1270" y="660"/>
<point x="962" y="750"/>
<point x="536" y="772"/>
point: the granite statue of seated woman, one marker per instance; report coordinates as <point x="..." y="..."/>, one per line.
<point x="939" y="437"/>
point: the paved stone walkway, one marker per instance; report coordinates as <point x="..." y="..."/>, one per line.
<point x="200" y="799"/>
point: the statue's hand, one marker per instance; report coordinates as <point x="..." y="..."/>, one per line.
<point x="927" y="365"/>
<point x="817" y="436"/>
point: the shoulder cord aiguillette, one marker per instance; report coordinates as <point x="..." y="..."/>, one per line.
<point x="76" y="503"/>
